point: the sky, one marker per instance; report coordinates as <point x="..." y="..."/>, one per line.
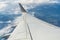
<point x="4" y="3"/>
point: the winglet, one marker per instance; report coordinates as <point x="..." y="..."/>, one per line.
<point x="21" y="7"/>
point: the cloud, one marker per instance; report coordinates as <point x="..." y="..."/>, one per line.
<point x="26" y="1"/>
<point x="30" y="1"/>
<point x="5" y="30"/>
<point x="6" y="21"/>
<point x="9" y="28"/>
<point x="35" y="1"/>
<point x="16" y="10"/>
<point x="2" y="6"/>
<point x="54" y="1"/>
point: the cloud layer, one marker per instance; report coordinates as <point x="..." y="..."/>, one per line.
<point x="2" y="6"/>
<point x="30" y="1"/>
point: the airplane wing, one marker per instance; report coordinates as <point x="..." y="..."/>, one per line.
<point x="39" y="29"/>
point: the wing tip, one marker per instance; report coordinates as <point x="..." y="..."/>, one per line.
<point x="21" y="7"/>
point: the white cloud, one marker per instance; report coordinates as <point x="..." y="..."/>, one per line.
<point x="53" y="1"/>
<point x="9" y="28"/>
<point x="6" y="21"/>
<point x="30" y="1"/>
<point x="16" y="10"/>
<point x="27" y="1"/>
<point x="5" y="30"/>
<point x="2" y="6"/>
